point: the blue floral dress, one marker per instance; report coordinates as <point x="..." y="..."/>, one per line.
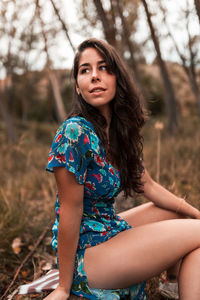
<point x="77" y="147"/>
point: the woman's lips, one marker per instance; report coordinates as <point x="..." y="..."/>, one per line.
<point x="97" y="90"/>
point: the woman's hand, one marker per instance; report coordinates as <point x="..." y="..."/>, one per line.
<point x="59" y="294"/>
<point x="165" y="199"/>
<point x="197" y="214"/>
<point x="187" y="209"/>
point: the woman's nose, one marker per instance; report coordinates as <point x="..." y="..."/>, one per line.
<point x="95" y="75"/>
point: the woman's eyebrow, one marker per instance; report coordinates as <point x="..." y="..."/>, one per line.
<point x="101" y="62"/>
<point x="84" y="65"/>
<point x="88" y="64"/>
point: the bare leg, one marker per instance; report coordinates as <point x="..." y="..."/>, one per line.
<point x="149" y="213"/>
<point x="187" y="285"/>
<point x="140" y="253"/>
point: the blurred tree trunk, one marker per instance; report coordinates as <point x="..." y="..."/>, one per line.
<point x="4" y="95"/>
<point x="59" y="105"/>
<point x="61" y="114"/>
<point x="108" y="27"/>
<point x="189" y="67"/>
<point x="169" y="91"/>
<point x="64" y="26"/>
<point x="197" y="6"/>
<point x="130" y="46"/>
<point x="11" y="132"/>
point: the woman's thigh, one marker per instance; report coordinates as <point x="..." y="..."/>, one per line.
<point x="140" y="253"/>
<point x="147" y="213"/>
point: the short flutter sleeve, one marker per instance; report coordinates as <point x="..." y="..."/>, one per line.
<point x="71" y="149"/>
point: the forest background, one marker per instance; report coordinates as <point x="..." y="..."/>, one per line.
<point x="160" y="42"/>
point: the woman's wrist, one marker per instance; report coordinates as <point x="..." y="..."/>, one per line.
<point x="187" y="209"/>
<point x="196" y="213"/>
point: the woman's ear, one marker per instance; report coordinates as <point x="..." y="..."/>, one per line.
<point x="77" y="89"/>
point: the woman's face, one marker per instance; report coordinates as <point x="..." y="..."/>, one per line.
<point x="94" y="83"/>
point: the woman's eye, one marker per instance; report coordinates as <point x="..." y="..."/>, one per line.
<point x="85" y="70"/>
<point x="104" y="67"/>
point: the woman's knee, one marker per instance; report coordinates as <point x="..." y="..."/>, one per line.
<point x="148" y="213"/>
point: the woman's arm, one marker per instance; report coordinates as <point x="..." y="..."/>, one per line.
<point x="70" y="194"/>
<point x="165" y="199"/>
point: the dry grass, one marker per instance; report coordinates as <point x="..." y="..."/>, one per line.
<point x="180" y="158"/>
<point x="26" y="197"/>
<point x="27" y="191"/>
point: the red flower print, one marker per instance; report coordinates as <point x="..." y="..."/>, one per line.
<point x="107" y="217"/>
<point x="104" y="233"/>
<point x="90" y="185"/>
<point x="71" y="157"/>
<point x="50" y="158"/>
<point x="86" y="140"/>
<point x="111" y="171"/>
<point x="58" y="138"/>
<point x="61" y="158"/>
<point x="98" y="177"/>
<point x="95" y="210"/>
<point x="99" y="160"/>
<point x="88" y="193"/>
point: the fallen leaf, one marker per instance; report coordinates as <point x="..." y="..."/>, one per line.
<point x="16" y="245"/>
<point x="25" y="273"/>
<point x="30" y="247"/>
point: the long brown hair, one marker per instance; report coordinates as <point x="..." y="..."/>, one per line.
<point x="126" y="143"/>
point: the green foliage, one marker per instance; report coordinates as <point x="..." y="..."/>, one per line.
<point x="26" y="101"/>
<point x="30" y="98"/>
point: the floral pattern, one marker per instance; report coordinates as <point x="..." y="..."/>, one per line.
<point x="77" y="147"/>
<point x="72" y="131"/>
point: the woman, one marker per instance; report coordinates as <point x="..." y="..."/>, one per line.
<point x="96" y="153"/>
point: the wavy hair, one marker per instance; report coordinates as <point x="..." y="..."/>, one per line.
<point x="125" y="141"/>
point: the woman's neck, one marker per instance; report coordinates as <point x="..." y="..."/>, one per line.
<point x="106" y="112"/>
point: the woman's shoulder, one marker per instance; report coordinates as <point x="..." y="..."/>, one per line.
<point x="80" y="121"/>
<point x="75" y="126"/>
<point x="78" y="130"/>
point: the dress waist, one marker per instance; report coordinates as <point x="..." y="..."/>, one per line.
<point x="96" y="229"/>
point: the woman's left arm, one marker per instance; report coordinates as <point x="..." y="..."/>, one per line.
<point x="161" y="197"/>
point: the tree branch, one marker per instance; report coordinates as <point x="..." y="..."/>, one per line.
<point x="63" y="24"/>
